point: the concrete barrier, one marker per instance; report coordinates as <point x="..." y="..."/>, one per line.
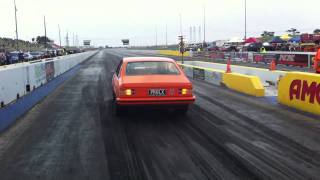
<point x="172" y="53"/>
<point x="301" y="91"/>
<point x="9" y="114"/>
<point x="42" y="78"/>
<point x="246" y="84"/>
<point x="19" y="79"/>
<point x="267" y="77"/>
<point x="295" y="89"/>
<point x="250" y="85"/>
<point x="211" y="76"/>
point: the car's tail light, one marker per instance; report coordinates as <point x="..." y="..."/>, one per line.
<point x="185" y="91"/>
<point x="128" y="92"/>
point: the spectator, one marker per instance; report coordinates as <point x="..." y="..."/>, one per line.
<point x="263" y="50"/>
<point x="7" y="58"/>
<point x="2" y="58"/>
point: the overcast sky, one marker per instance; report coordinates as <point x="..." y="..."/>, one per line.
<point x="106" y="22"/>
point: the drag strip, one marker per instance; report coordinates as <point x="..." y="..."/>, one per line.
<point x="74" y="134"/>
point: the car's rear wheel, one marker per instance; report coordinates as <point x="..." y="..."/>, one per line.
<point x="118" y="110"/>
<point x="182" y="110"/>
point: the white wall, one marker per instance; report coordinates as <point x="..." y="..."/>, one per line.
<point x="14" y="78"/>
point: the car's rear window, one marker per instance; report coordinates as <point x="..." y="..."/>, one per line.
<point x="151" y="68"/>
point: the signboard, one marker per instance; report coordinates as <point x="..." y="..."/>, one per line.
<point x="86" y="42"/>
<point x="213" y="77"/>
<point x="287" y="59"/>
<point x="49" y="68"/>
<point x="39" y="73"/>
<point x="265" y="58"/>
<point x="301" y="91"/>
<point x="294" y="59"/>
<point x="125" y="42"/>
<point x="217" y="55"/>
<point x="242" y="56"/>
<point x="198" y="74"/>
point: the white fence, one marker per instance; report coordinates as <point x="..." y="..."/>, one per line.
<point x="19" y="79"/>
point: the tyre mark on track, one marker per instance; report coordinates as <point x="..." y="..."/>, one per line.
<point x="123" y="160"/>
<point x="297" y="153"/>
<point x="297" y="148"/>
<point x="227" y="166"/>
<point x="220" y="138"/>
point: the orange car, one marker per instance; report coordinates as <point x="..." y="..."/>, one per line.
<point x="151" y="81"/>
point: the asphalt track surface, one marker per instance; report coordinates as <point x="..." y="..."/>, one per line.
<point x="73" y="134"/>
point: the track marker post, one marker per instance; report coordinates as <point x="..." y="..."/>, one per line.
<point x="228" y="66"/>
<point x="181" y="47"/>
<point x="273" y="65"/>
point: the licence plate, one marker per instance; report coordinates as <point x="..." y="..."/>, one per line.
<point x="157" y="92"/>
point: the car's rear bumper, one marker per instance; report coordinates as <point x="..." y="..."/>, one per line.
<point x="156" y="101"/>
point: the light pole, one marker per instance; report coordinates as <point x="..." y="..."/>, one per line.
<point x="45" y="31"/>
<point x="180" y="24"/>
<point x="190" y="38"/>
<point x="156" y="37"/>
<point x="67" y="39"/>
<point x="195" y="35"/>
<point x="166" y="35"/>
<point x="73" y="39"/>
<point x="204" y="24"/>
<point x="245" y="19"/>
<point x="76" y="41"/>
<point x="16" y="22"/>
<point x="199" y="34"/>
<point x="59" y="35"/>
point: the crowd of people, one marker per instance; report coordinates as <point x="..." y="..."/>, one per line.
<point x="262" y="48"/>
